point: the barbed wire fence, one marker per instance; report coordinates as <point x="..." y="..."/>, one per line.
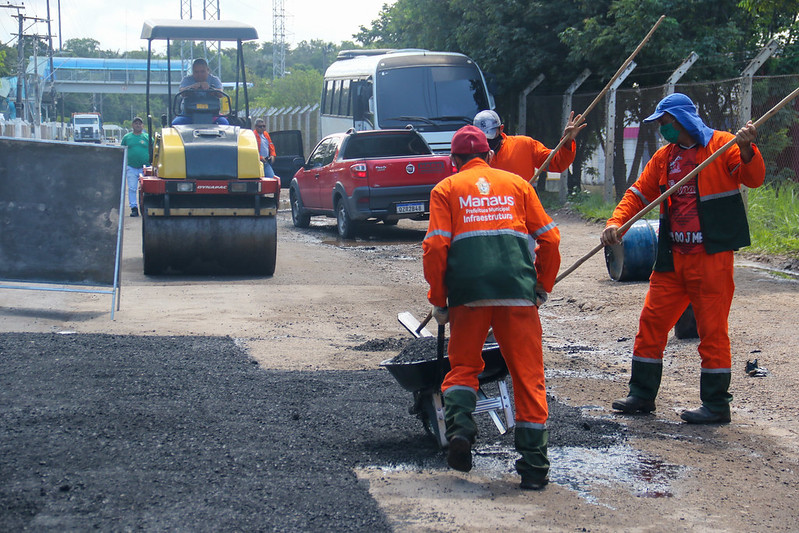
<point x="719" y="103"/>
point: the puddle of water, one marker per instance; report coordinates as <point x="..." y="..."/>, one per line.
<point x="643" y="475"/>
<point x="776" y="272"/>
<point x="364" y="245"/>
<point x="550" y="373"/>
<point x="579" y="469"/>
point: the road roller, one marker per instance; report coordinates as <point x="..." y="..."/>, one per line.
<point x="206" y="205"/>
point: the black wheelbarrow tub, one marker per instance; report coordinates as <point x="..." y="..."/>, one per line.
<point x="422" y="375"/>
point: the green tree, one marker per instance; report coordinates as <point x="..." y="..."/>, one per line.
<point x="300" y="87"/>
<point x="85" y="47"/>
<point x="5" y="65"/>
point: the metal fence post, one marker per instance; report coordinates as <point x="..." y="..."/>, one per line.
<point x="567" y="108"/>
<point x="680" y="72"/>
<point x="610" y="133"/>
<point x="745" y="112"/>
<point x="522" y="129"/>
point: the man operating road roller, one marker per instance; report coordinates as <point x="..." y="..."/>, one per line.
<point x="482" y="270"/>
<point x="700" y="226"/>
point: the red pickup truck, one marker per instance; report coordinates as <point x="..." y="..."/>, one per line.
<point x="367" y="175"/>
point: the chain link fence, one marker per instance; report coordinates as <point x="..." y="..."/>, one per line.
<point x="720" y="105"/>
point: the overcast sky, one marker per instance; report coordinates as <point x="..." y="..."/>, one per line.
<point x="117" y="25"/>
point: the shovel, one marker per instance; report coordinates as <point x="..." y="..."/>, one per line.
<point x="440" y="355"/>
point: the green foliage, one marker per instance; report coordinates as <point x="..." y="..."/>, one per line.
<point x="590" y="205"/>
<point x="774" y="219"/>
<point x="550" y="200"/>
<point x="8" y="61"/>
<point x="300" y="87"/>
<point x="82" y="48"/>
<point x="775" y="138"/>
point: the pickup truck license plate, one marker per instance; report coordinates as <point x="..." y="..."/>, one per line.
<point x="410" y="208"/>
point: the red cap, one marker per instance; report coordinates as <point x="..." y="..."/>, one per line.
<point x="469" y="140"/>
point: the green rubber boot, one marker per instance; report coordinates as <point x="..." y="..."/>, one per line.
<point x="531" y="441"/>
<point x="714" y="392"/>
<point x="645" y="379"/>
<point x="459" y="404"/>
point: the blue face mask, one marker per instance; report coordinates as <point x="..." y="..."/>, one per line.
<point x="669" y="132"/>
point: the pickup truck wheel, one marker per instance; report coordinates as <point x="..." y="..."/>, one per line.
<point x="300" y="219"/>
<point x="345" y="225"/>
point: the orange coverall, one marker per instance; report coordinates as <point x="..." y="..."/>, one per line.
<point x="477" y="257"/>
<point x="522" y="155"/>
<point x="264" y="137"/>
<point x="704" y="279"/>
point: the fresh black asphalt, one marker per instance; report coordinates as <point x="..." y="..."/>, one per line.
<point x="120" y="433"/>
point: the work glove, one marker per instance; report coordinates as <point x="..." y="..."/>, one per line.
<point x="441" y="314"/>
<point x="540" y="295"/>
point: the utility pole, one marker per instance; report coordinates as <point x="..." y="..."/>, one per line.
<point x="278" y="39"/>
<point x="20" y="62"/>
<point x="21" y="52"/>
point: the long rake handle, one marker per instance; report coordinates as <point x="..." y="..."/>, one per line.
<point x="599" y="97"/>
<point x="770" y="113"/>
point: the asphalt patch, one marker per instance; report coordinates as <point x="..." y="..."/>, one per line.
<point x="189" y="434"/>
<point x="391" y="344"/>
<point x="420" y="349"/>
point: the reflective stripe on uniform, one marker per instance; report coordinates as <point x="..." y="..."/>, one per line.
<point x="719" y="195"/>
<point x="490" y="233"/>
<point x="530" y="425"/>
<point x="544" y="229"/>
<point x="640" y="195"/>
<point x="435" y="233"/>
<point x="647" y="360"/>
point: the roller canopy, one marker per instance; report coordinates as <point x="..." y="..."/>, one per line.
<point x="197" y="30"/>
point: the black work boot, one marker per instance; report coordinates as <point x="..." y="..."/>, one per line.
<point x="703" y="415"/>
<point x="715" y="396"/>
<point x="134" y="211"/>
<point x="644" y="384"/>
<point x="459" y="404"/>
<point x="459" y="453"/>
<point x="633" y="404"/>
<point x="533" y="466"/>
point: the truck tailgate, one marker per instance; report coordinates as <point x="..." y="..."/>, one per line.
<point x="407" y="171"/>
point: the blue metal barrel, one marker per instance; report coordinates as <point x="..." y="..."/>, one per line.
<point x="633" y="258"/>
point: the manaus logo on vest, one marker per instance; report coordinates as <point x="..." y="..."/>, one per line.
<point x="483" y="186"/>
<point x="485" y="201"/>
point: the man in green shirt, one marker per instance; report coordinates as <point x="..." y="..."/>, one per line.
<point x="138" y="144"/>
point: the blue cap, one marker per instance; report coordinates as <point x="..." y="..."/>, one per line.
<point x="684" y="111"/>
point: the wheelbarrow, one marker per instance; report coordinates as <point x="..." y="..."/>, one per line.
<point x="423" y="379"/>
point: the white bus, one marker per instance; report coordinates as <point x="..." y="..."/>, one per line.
<point x="435" y="92"/>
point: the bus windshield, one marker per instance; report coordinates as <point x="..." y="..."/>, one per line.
<point x="430" y="97"/>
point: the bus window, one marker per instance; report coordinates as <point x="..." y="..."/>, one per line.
<point x="335" y="94"/>
<point x="443" y="96"/>
<point x="325" y="98"/>
<point x="345" y="98"/>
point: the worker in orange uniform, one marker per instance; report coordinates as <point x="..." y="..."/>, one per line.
<point x="482" y="270"/>
<point x="521" y="154"/>
<point x="700" y="226"/>
<point x="266" y="149"/>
